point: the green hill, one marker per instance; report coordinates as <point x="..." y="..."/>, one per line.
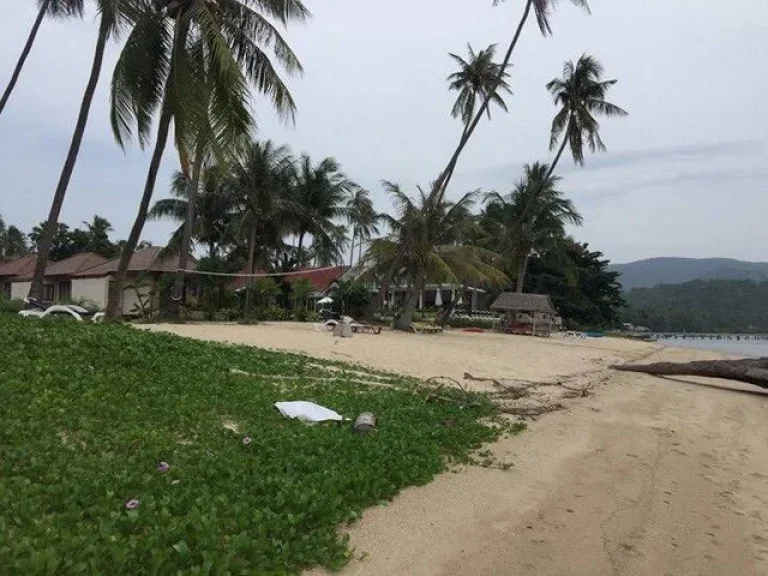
<point x="655" y="271"/>
<point x="700" y="306"/>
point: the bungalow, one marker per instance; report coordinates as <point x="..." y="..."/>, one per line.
<point x="9" y="273"/>
<point x="144" y="269"/>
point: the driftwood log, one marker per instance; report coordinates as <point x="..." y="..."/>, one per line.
<point x="751" y="371"/>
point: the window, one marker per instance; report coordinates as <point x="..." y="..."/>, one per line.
<point x="48" y="292"/>
<point x="65" y="291"/>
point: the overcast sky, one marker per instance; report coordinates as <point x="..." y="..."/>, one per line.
<point x="685" y="175"/>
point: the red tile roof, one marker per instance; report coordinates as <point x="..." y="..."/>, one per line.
<point x="320" y="279"/>
<point x="21" y="267"/>
<point x="74" y="264"/>
<point x="146" y="260"/>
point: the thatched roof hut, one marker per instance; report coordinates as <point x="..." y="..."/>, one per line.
<point x="526" y="313"/>
<point x="513" y="302"/>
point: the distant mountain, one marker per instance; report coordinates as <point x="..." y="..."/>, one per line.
<point x="655" y="271"/>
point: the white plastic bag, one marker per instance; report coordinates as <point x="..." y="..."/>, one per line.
<point x="307" y="412"/>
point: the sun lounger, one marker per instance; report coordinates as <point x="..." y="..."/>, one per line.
<point x="426" y="329"/>
<point x="365" y="328"/>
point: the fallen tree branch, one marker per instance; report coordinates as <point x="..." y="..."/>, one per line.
<point x="751" y="371"/>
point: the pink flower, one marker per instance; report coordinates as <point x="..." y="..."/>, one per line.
<point x="247" y="440"/>
<point x="132" y="504"/>
<point x="163" y="467"/>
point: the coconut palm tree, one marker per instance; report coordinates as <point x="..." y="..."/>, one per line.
<point x="531" y="218"/>
<point x="211" y="48"/>
<point x="319" y="191"/>
<point x="580" y="93"/>
<point x="55" y="8"/>
<point x="363" y="219"/>
<point x="261" y="188"/>
<point x="212" y="216"/>
<point x="113" y="15"/>
<point x="542" y="11"/>
<point x="13" y="243"/>
<point x="478" y="78"/>
<point x="426" y="246"/>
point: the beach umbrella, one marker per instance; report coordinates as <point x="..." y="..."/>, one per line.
<point x="439" y="297"/>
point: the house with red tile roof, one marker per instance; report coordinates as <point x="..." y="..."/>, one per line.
<point x="9" y="271"/>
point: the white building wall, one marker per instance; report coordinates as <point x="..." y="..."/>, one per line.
<point x="94" y="289"/>
<point x="20" y="290"/>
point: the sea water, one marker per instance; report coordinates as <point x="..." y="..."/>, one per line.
<point x="756" y="348"/>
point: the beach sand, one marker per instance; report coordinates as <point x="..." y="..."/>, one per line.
<point x="645" y="476"/>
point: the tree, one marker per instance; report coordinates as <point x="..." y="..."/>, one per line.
<point x="542" y="10"/>
<point x="426" y="245"/>
<point x="62" y="245"/>
<point x="363" y="219"/>
<point x="212" y="217"/>
<point x="261" y="184"/>
<point x="97" y="233"/>
<point x="212" y="49"/>
<point x="585" y="293"/>
<point x="13" y="244"/>
<point x="319" y="191"/>
<point x="112" y="16"/>
<point x="328" y="249"/>
<point x="479" y="78"/>
<point x="55" y="8"/>
<point x="531" y="218"/>
<point x="580" y="93"/>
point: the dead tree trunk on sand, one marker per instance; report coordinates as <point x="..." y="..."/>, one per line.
<point x="752" y="371"/>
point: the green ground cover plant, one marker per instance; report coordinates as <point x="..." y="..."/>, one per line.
<point x="130" y="452"/>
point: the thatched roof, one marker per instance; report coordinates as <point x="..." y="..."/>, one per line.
<point x="513" y="302"/>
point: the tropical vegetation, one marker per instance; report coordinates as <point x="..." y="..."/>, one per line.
<point x="158" y="454"/>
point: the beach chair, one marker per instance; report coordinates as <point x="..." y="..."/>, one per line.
<point x="426" y="329"/>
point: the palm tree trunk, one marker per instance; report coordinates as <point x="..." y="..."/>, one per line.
<point x="251" y="269"/>
<point x="24" y="54"/>
<point x="360" y="249"/>
<point x="300" y="248"/>
<point x="406" y="318"/>
<point x="445" y="177"/>
<point x="352" y="249"/>
<point x="559" y="153"/>
<point x="174" y="306"/>
<point x="116" y="289"/>
<point x="521" y="272"/>
<point x="50" y="228"/>
<point x="386" y="281"/>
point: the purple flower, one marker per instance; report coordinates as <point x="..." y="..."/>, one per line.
<point x="163" y="467"/>
<point x="247" y="440"/>
<point x="132" y="504"/>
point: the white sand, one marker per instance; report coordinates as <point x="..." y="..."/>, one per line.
<point x="646" y="476"/>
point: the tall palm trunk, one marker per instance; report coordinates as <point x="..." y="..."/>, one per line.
<point x="114" y="301"/>
<point x="174" y="306"/>
<point x="406" y="318"/>
<point x="49" y="230"/>
<point x="386" y="281"/>
<point x="352" y="249"/>
<point x="522" y="270"/>
<point x="24" y="54"/>
<point x="445" y="176"/>
<point x="251" y="268"/>
<point x="360" y="249"/>
<point x="559" y="152"/>
<point x="300" y="248"/>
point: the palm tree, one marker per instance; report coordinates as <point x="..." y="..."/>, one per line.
<point x="13" y="243"/>
<point x="580" y="93"/>
<point x="55" y="8"/>
<point x="112" y="16"/>
<point x="261" y="187"/>
<point x="426" y="245"/>
<point x="212" y="49"/>
<point x="98" y="230"/>
<point x="479" y="78"/>
<point x="363" y="219"/>
<point x="531" y="218"/>
<point x="319" y="192"/>
<point x="328" y="249"/>
<point x="212" y="216"/>
<point x="542" y="10"/>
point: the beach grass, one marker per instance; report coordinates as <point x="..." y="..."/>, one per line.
<point x="127" y="452"/>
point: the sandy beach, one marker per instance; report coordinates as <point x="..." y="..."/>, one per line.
<point x="645" y="476"/>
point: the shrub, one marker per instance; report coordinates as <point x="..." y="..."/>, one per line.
<point x="484" y="323"/>
<point x="11" y="306"/>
